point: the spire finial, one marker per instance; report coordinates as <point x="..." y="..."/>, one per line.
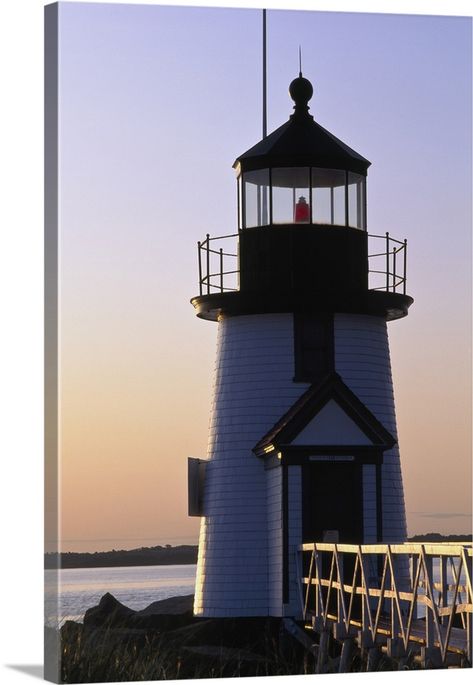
<point x="300" y="62"/>
<point x="301" y="91"/>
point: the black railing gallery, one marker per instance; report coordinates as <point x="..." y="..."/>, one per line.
<point x="213" y="274"/>
<point x="218" y="266"/>
<point x="391" y="272"/>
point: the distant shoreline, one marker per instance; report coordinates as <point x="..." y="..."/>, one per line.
<point x="168" y="556"/>
<point x="144" y="556"/>
<point x="437" y="537"/>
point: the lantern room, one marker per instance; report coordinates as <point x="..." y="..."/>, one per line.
<point x="302" y="195"/>
<point x="301" y="174"/>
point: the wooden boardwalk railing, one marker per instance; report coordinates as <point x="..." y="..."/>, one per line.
<point x="407" y="597"/>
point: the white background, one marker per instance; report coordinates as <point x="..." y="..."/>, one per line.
<point x="21" y="341"/>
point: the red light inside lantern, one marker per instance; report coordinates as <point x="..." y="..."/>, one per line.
<point x="301" y="211"/>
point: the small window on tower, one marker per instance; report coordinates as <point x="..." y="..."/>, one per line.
<point x="313" y="346"/>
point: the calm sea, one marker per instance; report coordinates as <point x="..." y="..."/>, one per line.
<point x="134" y="586"/>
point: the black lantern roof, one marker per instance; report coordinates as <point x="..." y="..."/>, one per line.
<point x="302" y="142"/>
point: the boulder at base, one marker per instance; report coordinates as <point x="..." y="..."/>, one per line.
<point x="171" y="605"/>
<point x="109" y="611"/>
<point x="166" y="614"/>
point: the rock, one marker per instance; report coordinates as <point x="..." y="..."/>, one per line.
<point x="172" y="605"/>
<point x="167" y="614"/>
<point x="108" y="612"/>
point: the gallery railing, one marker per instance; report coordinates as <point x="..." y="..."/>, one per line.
<point x="390" y="262"/>
<point x="214" y="275"/>
<point x="218" y="264"/>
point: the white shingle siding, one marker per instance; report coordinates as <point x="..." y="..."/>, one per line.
<point x="362" y="360"/>
<point x="239" y="569"/>
<point x="253" y="388"/>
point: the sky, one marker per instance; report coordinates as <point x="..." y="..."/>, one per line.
<point x="155" y="104"/>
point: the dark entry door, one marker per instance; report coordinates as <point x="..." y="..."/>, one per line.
<point x="332" y="499"/>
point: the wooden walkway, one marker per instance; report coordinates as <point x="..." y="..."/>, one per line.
<point x="408" y="598"/>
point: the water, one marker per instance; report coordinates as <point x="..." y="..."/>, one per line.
<point x="134" y="586"/>
<point x="421" y="610"/>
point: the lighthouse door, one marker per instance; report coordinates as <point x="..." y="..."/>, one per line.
<point x="332" y="499"/>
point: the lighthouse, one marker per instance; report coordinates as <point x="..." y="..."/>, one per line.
<point x="303" y="442"/>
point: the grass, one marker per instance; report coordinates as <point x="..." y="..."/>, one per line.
<point x="213" y="648"/>
<point x="114" y="654"/>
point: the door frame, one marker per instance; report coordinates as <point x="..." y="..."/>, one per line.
<point x="292" y="455"/>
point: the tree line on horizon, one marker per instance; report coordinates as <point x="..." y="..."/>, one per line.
<point x="142" y="556"/>
<point x="168" y="555"/>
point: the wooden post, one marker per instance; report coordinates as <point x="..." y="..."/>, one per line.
<point x="444" y="587"/>
<point x="429" y="617"/>
<point x="323" y="651"/>
<point x="467" y="565"/>
<point x="430" y="654"/>
<point x="413" y="569"/>
<point x="345" y="657"/>
<point x="365" y="636"/>
<point x="469" y="624"/>
<point x="374" y="656"/>
<point x="393" y="609"/>
<point x="318" y="588"/>
<point x="395" y="648"/>
<point x="431" y="657"/>
<point x="341" y="609"/>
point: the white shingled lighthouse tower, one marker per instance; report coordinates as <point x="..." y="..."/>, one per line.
<point x="303" y="441"/>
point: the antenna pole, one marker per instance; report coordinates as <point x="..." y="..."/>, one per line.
<point x="265" y="125"/>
